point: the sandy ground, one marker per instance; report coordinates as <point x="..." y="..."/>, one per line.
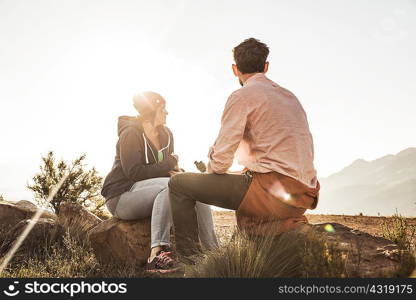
<point x="225" y="222"/>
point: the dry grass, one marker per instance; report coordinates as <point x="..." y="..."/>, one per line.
<point x="300" y="253"/>
<point x="70" y="259"/>
<point x="293" y="254"/>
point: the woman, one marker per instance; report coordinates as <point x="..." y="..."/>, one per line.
<point x="137" y="186"/>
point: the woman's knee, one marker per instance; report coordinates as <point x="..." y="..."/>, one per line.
<point x="161" y="182"/>
<point x="124" y="214"/>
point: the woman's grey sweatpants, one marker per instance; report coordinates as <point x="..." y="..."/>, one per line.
<point x="150" y="197"/>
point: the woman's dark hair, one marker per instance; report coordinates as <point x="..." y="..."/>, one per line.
<point x="250" y="56"/>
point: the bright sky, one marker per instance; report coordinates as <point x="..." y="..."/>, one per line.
<point x="68" y="69"/>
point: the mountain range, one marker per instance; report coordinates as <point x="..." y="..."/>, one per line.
<point x="380" y="187"/>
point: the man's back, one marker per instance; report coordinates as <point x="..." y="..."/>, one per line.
<point x="276" y="131"/>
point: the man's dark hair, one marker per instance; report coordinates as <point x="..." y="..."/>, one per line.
<point x="250" y="56"/>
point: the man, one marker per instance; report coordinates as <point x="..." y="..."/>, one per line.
<point x="266" y="127"/>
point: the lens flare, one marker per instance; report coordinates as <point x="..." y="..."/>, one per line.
<point x="329" y="228"/>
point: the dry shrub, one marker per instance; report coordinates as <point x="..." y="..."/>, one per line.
<point x="297" y="253"/>
<point x="398" y="230"/>
<point x="321" y="258"/>
<point x="77" y="229"/>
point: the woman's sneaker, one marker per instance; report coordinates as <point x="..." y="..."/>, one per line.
<point x="162" y="263"/>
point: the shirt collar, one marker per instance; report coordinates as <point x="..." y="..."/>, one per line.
<point x="255" y="77"/>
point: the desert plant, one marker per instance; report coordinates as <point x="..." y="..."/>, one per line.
<point x="291" y="254"/>
<point x="320" y="258"/>
<point x="247" y="257"/>
<point x="81" y="185"/>
<point x="398" y="230"/>
<point x="1" y="198"/>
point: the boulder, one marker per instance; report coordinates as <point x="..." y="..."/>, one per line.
<point x="76" y="219"/>
<point x="121" y="242"/>
<point x="30" y="206"/>
<point x="12" y="213"/>
<point x="366" y="255"/>
<point x="44" y="233"/>
<point x="26" y="204"/>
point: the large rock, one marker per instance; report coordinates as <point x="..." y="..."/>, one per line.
<point x="12" y="213"/>
<point x="26" y="204"/>
<point x="44" y="233"/>
<point x="76" y="219"/>
<point x="366" y="255"/>
<point x="30" y="206"/>
<point x="121" y="242"/>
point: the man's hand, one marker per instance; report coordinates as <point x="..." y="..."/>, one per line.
<point x="176" y="170"/>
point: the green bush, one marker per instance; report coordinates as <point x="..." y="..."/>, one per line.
<point x="81" y="186"/>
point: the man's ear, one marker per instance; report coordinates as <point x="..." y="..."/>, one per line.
<point x="266" y="67"/>
<point x="235" y="70"/>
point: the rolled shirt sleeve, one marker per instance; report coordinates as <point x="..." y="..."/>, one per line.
<point x="233" y="124"/>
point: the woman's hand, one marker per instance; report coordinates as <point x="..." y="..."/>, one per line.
<point x="176" y="169"/>
<point x="173" y="172"/>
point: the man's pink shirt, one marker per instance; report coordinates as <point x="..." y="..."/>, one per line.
<point x="266" y="127"/>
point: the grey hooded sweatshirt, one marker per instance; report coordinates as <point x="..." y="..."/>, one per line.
<point x="136" y="158"/>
